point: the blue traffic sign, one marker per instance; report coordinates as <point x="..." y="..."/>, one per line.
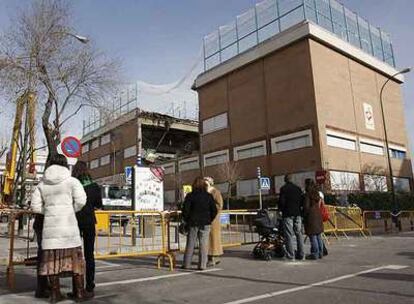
<point x="128" y="175"/>
<point x="265" y="183"/>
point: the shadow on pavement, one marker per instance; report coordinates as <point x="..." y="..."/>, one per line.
<point x="407" y="254"/>
<point x="390" y="276"/>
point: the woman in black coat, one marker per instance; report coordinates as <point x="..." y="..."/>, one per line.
<point x="313" y="219"/>
<point x="86" y="221"/>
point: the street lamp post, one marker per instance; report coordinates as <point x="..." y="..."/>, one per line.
<point x="391" y="177"/>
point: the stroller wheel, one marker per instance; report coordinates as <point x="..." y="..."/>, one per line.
<point x="268" y="256"/>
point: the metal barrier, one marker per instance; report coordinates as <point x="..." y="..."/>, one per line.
<point x="349" y="219"/>
<point x="132" y="234"/>
<point x="377" y="222"/>
<point x="330" y="226"/>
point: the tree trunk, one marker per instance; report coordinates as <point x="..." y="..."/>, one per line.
<point x="47" y="129"/>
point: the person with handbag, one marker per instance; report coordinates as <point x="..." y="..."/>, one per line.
<point x="199" y="211"/>
<point x="313" y="220"/>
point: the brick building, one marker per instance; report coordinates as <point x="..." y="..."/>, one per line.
<point x="305" y="99"/>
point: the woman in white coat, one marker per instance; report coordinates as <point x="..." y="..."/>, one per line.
<point x="58" y="197"/>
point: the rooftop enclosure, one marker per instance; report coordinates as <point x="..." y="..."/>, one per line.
<point x="270" y="17"/>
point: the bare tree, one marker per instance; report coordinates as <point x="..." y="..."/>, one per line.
<point x="230" y="173"/>
<point x="41" y="54"/>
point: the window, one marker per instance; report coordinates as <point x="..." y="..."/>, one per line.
<point x="372" y="147"/>
<point x="169" y="168"/>
<point x="292" y="141"/>
<point x="222" y="187"/>
<point x="341" y="140"/>
<point x="344" y="181"/>
<point x="216" y="158"/>
<point x="188" y="164"/>
<point x="105" y="160"/>
<point x="95" y="144"/>
<point x="297" y="178"/>
<point x="169" y="196"/>
<point x="250" y="150"/>
<point x="105" y="139"/>
<point x="402" y="184"/>
<point x="95" y="163"/>
<point x="376" y="183"/>
<point x="398" y="152"/>
<point x="85" y="148"/>
<point x="130" y="152"/>
<point x="215" y="123"/>
<point x="248" y="188"/>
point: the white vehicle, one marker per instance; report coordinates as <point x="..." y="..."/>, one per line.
<point x="116" y="197"/>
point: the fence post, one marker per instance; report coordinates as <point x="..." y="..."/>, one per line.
<point x="10" y="266"/>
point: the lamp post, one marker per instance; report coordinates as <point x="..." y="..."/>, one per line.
<point x="392" y="188"/>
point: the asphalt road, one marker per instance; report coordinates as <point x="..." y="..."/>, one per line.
<point x="374" y="270"/>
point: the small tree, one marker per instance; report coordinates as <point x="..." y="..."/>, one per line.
<point x="230" y="173"/>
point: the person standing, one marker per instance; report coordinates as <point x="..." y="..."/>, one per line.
<point x="58" y="196"/>
<point x="291" y="206"/>
<point x="87" y="220"/>
<point x="313" y="219"/>
<point x="215" y="249"/>
<point x="199" y="211"/>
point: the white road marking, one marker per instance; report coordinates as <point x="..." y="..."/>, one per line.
<point x="107" y="264"/>
<point x="300" y="288"/>
<point x="167" y="276"/>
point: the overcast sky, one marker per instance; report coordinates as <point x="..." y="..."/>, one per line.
<point x="159" y="40"/>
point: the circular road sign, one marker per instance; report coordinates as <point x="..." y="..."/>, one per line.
<point x="71" y="146"/>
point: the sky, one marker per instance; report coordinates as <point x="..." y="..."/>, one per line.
<point x="159" y="40"/>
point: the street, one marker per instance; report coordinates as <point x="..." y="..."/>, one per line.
<point x="376" y="270"/>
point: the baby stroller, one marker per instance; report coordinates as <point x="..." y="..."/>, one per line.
<point x="271" y="242"/>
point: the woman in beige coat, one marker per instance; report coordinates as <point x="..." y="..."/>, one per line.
<point x="215" y="248"/>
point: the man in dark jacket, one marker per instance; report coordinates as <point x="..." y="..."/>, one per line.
<point x="86" y="221"/>
<point x="199" y="211"/>
<point x="291" y="206"/>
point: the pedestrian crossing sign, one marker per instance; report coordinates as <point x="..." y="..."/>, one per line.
<point x="265" y="183"/>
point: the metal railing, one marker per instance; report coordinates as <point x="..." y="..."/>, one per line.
<point x="270" y="17"/>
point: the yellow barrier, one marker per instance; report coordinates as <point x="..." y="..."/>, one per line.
<point x="349" y="219"/>
<point x="132" y="234"/>
<point x="330" y="226"/>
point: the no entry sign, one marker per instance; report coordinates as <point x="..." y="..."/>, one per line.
<point x="71" y="146"/>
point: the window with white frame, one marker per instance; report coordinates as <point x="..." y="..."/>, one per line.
<point x="105" y="160"/>
<point x="377" y="183"/>
<point x="216" y="158"/>
<point x="94" y="163"/>
<point x="371" y="147"/>
<point x="402" y="184"/>
<point x="95" y="144"/>
<point x="130" y="151"/>
<point x="169" y="196"/>
<point x="292" y="141"/>
<point x="344" y="181"/>
<point x="248" y="187"/>
<point x="341" y="140"/>
<point x="296" y="178"/>
<point x="215" y="123"/>
<point x="85" y="148"/>
<point x="188" y="164"/>
<point x="169" y="168"/>
<point x="251" y="150"/>
<point x="105" y="139"/>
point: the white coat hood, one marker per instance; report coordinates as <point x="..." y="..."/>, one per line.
<point x="55" y="174"/>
